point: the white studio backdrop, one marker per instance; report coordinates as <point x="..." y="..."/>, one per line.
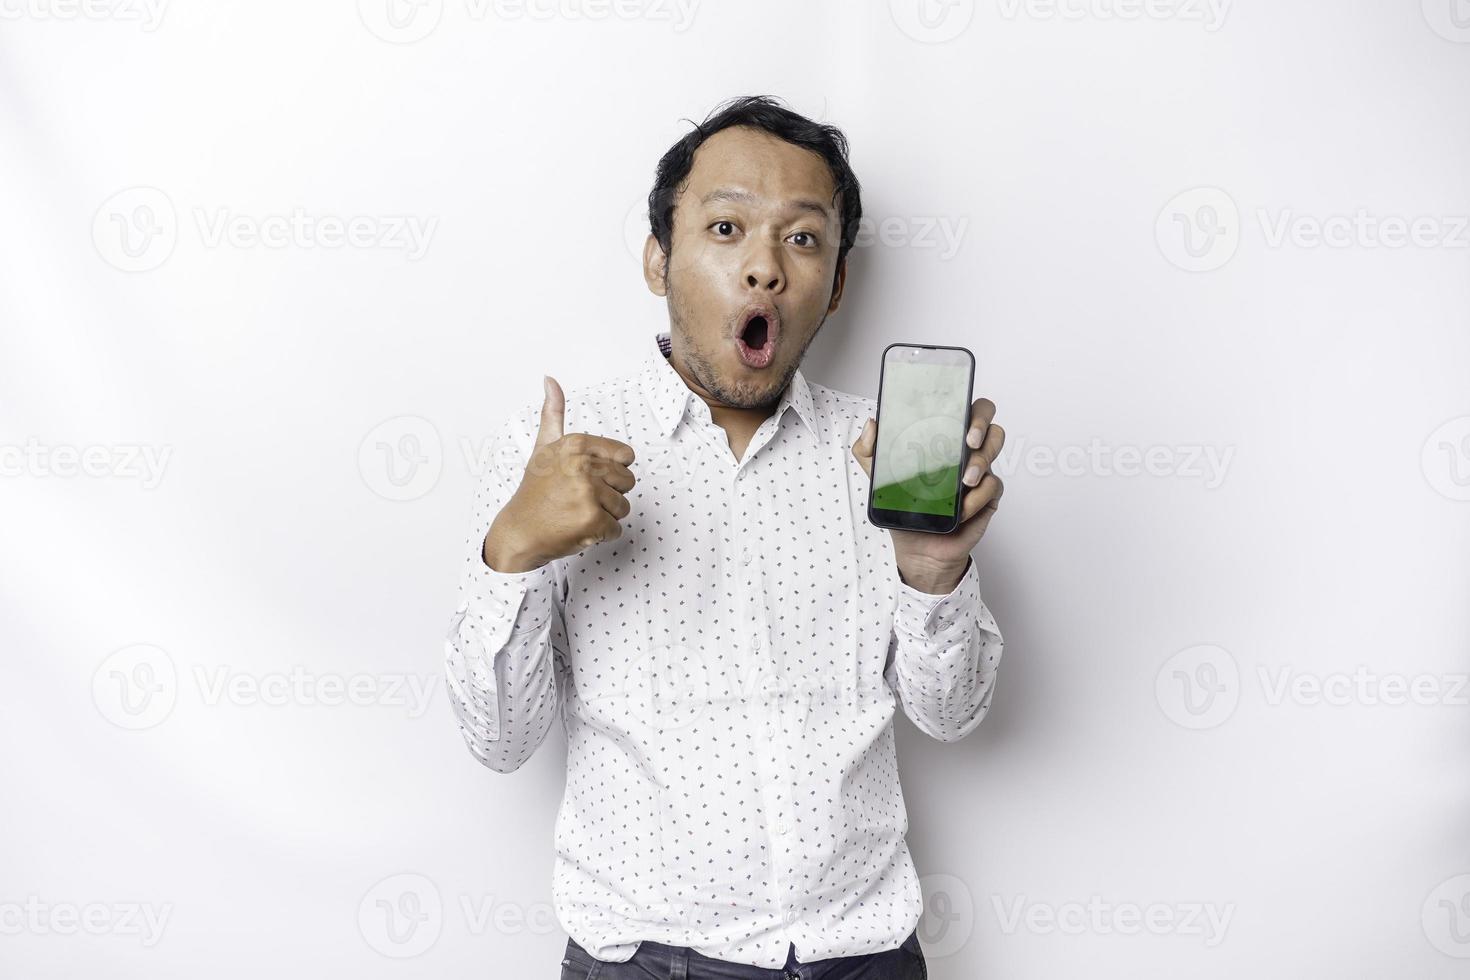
<point x="272" y="271"/>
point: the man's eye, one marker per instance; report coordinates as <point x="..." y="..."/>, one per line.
<point x="811" y="240"/>
<point x="724" y="227"/>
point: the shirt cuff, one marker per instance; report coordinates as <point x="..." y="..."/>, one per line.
<point x="521" y="599"/>
<point x="925" y="614"/>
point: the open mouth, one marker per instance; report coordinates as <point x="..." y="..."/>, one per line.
<point x="756" y="339"/>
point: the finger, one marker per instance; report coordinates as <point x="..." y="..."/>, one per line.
<point x="614" y="503"/>
<point x="553" y="412"/>
<point x="615" y="475"/>
<point x="983" y="458"/>
<point x="606" y="530"/>
<point x="611" y="530"/>
<point x="601" y="446"/>
<point x="987" y="494"/>
<point x="981" y="521"/>
<point x="863" y="448"/>
<point x="981" y="414"/>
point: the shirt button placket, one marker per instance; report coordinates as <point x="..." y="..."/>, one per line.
<point x="777" y="799"/>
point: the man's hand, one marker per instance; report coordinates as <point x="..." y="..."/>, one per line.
<point x="935" y="563"/>
<point x="570" y="498"/>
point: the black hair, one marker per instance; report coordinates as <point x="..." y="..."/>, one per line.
<point x="766" y="113"/>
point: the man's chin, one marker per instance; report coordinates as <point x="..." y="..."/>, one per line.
<point x="742" y="387"/>
<point x="726" y="377"/>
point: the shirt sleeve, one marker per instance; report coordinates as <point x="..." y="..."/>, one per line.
<point x="503" y="666"/>
<point x="943" y="656"/>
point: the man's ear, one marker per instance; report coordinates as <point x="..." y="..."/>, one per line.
<point x="837" y="285"/>
<point x="655" y="262"/>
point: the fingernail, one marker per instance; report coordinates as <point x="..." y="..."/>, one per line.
<point x="972" y="475"/>
<point x="972" y="438"/>
<point x="546" y="383"/>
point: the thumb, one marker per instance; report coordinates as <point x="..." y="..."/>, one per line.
<point x="553" y="411"/>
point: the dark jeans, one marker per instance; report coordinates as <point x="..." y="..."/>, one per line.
<point x="658" y="961"/>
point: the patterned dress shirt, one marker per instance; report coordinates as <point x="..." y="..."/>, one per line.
<point x="726" y="673"/>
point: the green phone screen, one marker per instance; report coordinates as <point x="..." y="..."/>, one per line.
<point x="921" y="419"/>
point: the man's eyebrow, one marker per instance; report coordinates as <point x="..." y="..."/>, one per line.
<point x="745" y="197"/>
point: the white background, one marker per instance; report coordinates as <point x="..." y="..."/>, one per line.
<point x="1129" y="194"/>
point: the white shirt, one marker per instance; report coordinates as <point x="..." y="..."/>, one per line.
<point x="726" y="672"/>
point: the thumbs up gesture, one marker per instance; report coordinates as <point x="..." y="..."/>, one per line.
<point x="571" y="497"/>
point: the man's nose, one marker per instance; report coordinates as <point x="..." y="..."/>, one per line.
<point x="756" y="281"/>
<point x="763" y="268"/>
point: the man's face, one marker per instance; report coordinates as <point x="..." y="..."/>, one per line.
<point x="750" y="275"/>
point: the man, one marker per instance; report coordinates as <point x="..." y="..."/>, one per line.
<point x="677" y="563"/>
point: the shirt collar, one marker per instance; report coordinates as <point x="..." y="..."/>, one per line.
<point x="670" y="396"/>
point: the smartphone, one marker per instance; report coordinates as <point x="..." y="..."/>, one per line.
<point x="924" y="395"/>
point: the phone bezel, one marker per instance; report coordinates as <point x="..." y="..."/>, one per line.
<point x="906" y="520"/>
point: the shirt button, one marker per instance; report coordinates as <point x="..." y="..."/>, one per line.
<point x="790" y="917"/>
<point x="782" y="826"/>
